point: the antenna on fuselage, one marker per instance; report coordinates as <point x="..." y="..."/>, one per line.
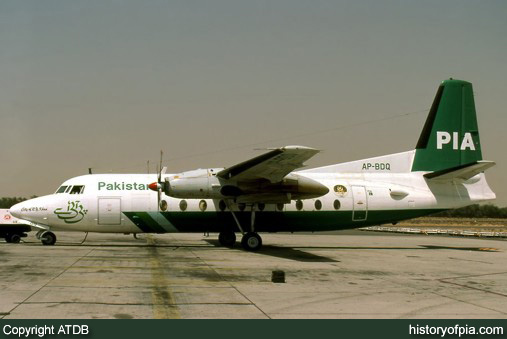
<point x="90" y="170"/>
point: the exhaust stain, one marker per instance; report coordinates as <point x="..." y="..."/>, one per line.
<point x="164" y="306"/>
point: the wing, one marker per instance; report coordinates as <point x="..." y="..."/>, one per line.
<point x="272" y="166"/>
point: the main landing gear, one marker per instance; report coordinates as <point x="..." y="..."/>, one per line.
<point x="46" y="237"/>
<point x="227" y="238"/>
<point x="251" y="241"/>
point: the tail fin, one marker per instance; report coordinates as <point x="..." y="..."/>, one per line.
<point x="450" y="137"/>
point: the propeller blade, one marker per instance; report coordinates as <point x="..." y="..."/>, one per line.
<point x="160" y="186"/>
<point x="157" y="186"/>
<point x="160" y="167"/>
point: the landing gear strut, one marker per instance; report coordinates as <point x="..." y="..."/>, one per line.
<point x="250" y="241"/>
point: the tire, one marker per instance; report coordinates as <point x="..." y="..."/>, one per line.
<point x="14" y="238"/>
<point x="251" y="241"/>
<point x="227" y="239"/>
<point x="48" y="238"/>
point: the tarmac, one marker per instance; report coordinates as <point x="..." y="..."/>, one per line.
<point x="350" y="274"/>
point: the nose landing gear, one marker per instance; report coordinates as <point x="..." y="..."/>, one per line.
<point x="46" y="237"/>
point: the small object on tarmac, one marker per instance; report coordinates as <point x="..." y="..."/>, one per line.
<point x="278" y="276"/>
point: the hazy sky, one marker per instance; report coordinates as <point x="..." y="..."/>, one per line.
<point x="107" y="84"/>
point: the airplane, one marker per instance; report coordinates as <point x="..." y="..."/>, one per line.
<point x="267" y="194"/>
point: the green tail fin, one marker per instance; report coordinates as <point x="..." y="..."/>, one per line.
<point x="450" y="136"/>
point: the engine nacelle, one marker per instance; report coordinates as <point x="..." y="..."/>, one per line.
<point x="204" y="184"/>
<point x="197" y="184"/>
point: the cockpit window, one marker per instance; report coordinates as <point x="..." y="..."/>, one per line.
<point x="68" y="189"/>
<point x="61" y="189"/>
<point x="77" y="189"/>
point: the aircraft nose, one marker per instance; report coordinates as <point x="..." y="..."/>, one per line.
<point x="15" y="210"/>
<point x="32" y="210"/>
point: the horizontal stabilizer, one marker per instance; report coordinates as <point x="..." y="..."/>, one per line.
<point x="463" y="172"/>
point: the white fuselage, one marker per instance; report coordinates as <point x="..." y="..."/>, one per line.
<point x="365" y="192"/>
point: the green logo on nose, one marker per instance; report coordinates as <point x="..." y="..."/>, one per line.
<point x="75" y="212"/>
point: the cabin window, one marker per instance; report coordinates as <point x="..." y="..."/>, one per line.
<point x="318" y="205"/>
<point x="61" y="189"/>
<point x="299" y="205"/>
<point x="183" y="205"/>
<point x="280" y="206"/>
<point x="241" y="206"/>
<point x="203" y="205"/>
<point x="77" y="189"/>
<point x="163" y="205"/>
<point x="336" y="204"/>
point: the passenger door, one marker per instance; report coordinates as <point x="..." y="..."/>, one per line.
<point x="360" y="206"/>
<point x="109" y="211"/>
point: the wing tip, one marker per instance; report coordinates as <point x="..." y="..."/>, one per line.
<point x="298" y="147"/>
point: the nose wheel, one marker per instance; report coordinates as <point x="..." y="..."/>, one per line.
<point x="48" y="238"/>
<point x="251" y="241"/>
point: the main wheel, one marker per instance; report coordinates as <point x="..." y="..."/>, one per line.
<point x="13" y="238"/>
<point x="251" y="241"/>
<point x="48" y="238"/>
<point x="227" y="238"/>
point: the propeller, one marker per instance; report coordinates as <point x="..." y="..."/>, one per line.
<point x="160" y="185"/>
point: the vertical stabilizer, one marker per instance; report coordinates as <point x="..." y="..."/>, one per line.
<point x="450" y="137"/>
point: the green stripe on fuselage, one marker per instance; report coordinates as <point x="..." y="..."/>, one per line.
<point x="145" y="222"/>
<point x="293" y="221"/>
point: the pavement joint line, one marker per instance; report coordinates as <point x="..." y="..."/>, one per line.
<point x="479" y="261"/>
<point x="442" y="280"/>
<point x="472" y="288"/>
<point x="49" y="281"/>
<point x="468" y="302"/>
<point x="464" y="301"/>
<point x="472" y="276"/>
<point x="228" y="282"/>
